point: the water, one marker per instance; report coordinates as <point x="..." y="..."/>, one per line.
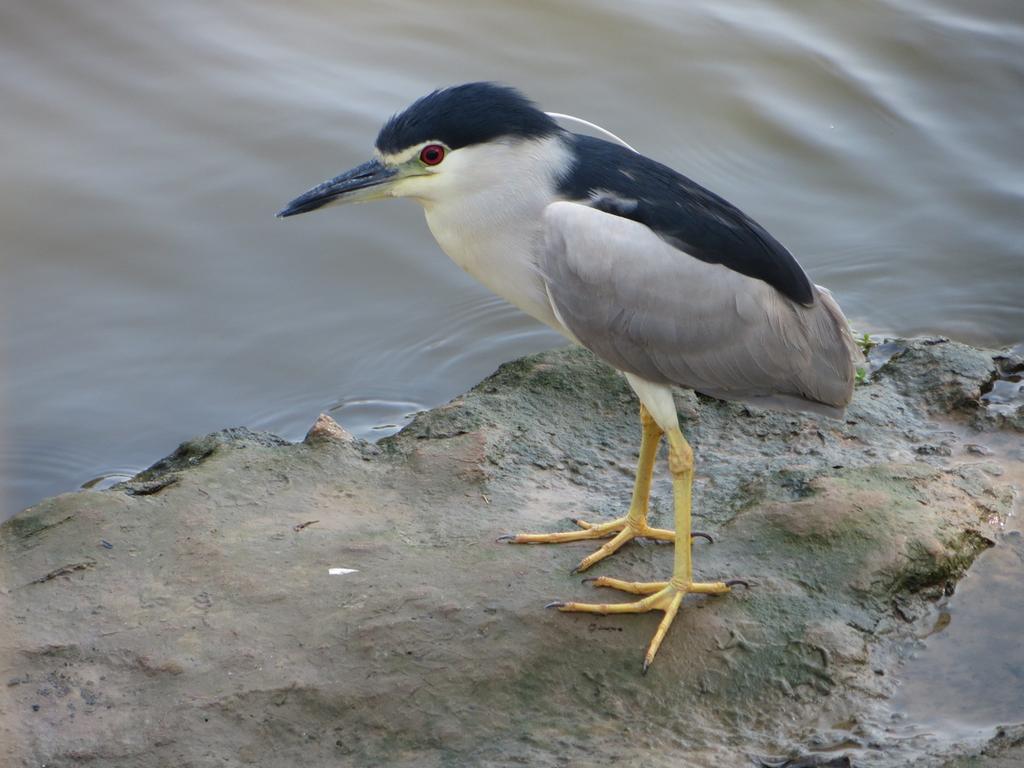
<point x="148" y="295"/>
<point x="974" y="647"/>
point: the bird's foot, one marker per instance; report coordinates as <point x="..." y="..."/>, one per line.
<point x="663" y="596"/>
<point x="621" y="530"/>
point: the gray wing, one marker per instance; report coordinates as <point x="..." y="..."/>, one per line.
<point x="653" y="311"/>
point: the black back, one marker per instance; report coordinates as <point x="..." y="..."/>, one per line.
<point x="681" y="212"/>
<point x="466" y="114"/>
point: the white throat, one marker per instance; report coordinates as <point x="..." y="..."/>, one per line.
<point x="486" y="210"/>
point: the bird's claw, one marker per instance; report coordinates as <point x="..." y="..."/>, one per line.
<point x="665" y="596"/>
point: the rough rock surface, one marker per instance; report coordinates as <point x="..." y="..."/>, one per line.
<point x="189" y="617"/>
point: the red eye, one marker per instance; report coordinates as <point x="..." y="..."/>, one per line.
<point x="432" y="154"/>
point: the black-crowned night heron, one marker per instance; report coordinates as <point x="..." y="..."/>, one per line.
<point x="664" y="280"/>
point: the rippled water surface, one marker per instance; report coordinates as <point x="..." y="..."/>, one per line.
<point x="147" y="294"/>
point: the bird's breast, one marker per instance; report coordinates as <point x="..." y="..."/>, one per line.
<point x="499" y="252"/>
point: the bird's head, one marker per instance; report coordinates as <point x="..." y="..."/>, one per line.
<point x="450" y="142"/>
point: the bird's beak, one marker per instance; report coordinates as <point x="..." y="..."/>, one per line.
<point x="369" y="181"/>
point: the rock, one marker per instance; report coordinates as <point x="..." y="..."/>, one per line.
<point x="334" y="603"/>
<point x="326" y="428"/>
<point x="945" y="376"/>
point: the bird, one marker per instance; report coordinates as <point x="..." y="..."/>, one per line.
<point x="658" y="276"/>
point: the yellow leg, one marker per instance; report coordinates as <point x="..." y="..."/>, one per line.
<point x="663" y="595"/>
<point x="632" y="525"/>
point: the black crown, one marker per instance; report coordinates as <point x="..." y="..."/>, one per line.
<point x="463" y="115"/>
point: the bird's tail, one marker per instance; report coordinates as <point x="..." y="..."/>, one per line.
<point x="838" y="353"/>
